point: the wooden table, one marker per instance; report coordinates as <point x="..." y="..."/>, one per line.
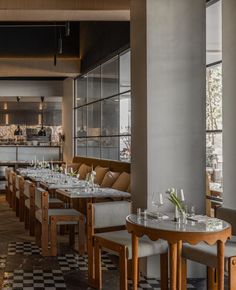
<point x="176" y="233"/>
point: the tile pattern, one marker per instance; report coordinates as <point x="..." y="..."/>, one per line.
<point x="154" y="284"/>
<point x="75" y="262"/>
<point x="36" y="279"/>
<point x="23" y="248"/>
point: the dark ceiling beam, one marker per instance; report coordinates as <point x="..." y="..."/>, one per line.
<point x="39" y="67"/>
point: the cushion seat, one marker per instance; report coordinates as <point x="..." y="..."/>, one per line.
<point x="27" y="203"/>
<point x="55" y="200"/>
<point x="206" y="254"/>
<point x="18" y="194"/>
<point x="58" y="212"/>
<point x="146" y="247"/>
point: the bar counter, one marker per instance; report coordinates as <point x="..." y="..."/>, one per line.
<point x="29" y="152"/>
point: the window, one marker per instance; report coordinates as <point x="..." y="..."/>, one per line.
<point x="103" y="111"/>
<point x="214" y="158"/>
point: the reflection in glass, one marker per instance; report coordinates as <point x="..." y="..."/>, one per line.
<point x="125" y="114"/>
<point x="94" y="119"/>
<point x="110" y="148"/>
<point x="81" y="91"/>
<point x="214" y="97"/>
<point x="81" y="122"/>
<point x="110" y="116"/>
<point x="94" y="85"/>
<point x="93" y="147"/>
<point x="125" y="72"/>
<point x="125" y="148"/>
<point x="81" y="145"/>
<point x="214" y="150"/>
<point x="110" y="77"/>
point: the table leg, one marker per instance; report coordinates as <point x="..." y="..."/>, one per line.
<point x="135" y="260"/>
<point x="220" y="254"/>
<point x="173" y="265"/>
<point x="179" y="265"/>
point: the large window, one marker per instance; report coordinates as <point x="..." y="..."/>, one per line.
<point x="214" y="158"/>
<point x="103" y="110"/>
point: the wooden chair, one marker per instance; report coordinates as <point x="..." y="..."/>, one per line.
<point x="19" y="187"/>
<point x="10" y="187"/>
<point x="48" y="219"/>
<point x="106" y="230"/>
<point x="7" y="186"/>
<point x="28" y="202"/>
<point x="207" y="255"/>
<point x="13" y="189"/>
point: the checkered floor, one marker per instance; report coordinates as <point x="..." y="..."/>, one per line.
<point x="36" y="279"/>
<point x="21" y="279"/>
<point x="75" y="262"/>
<point x="23" y="248"/>
<point x="146" y="283"/>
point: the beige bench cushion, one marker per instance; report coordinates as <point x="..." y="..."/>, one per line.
<point x="122" y="182"/>
<point x="84" y="170"/>
<point x="110" y="178"/>
<point x="100" y="173"/>
<point x="146" y="247"/>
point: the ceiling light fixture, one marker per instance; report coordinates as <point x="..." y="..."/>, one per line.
<point x="18" y="131"/>
<point x="42" y="131"/>
<point x="67" y="27"/>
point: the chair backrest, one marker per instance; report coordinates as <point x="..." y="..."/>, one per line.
<point x="18" y="177"/>
<point x="41" y="198"/>
<point x="110" y="214"/>
<point x="228" y="215"/>
<point x="27" y="188"/>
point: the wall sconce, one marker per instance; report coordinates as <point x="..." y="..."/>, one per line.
<point x="5" y="106"/>
<point x="39" y="119"/>
<point x="7" y="119"/>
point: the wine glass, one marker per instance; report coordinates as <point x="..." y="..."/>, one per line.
<point x="157" y="201"/>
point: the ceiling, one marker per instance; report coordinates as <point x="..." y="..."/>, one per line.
<point x="34" y="39"/>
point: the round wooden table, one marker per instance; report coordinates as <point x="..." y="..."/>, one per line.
<point x="175" y="234"/>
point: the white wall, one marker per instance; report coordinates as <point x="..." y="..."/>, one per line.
<point x="67" y="118"/>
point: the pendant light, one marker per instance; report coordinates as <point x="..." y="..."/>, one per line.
<point x="42" y="131"/>
<point x="18" y="131"/>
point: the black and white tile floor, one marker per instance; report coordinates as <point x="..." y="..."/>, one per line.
<point x="55" y="275"/>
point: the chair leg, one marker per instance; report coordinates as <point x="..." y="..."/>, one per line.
<point x="164" y="271"/>
<point x="17" y="207"/>
<point x="72" y="235"/>
<point x="38" y="233"/>
<point x="123" y="270"/>
<point x="21" y="209"/>
<point x="32" y="221"/>
<point x="98" y="268"/>
<point x="44" y="239"/>
<point x="53" y="236"/>
<point x="26" y="218"/>
<point x="232" y="273"/>
<point x="81" y="238"/>
<point x="184" y="273"/>
<point x="211" y="279"/>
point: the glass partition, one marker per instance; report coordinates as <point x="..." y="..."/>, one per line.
<point x="103" y="110"/>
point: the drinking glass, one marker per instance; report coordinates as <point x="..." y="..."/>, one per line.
<point x="157" y="201"/>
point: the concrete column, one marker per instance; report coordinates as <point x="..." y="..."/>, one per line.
<point x="67" y="119"/>
<point x="168" y="99"/>
<point x="229" y="101"/>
